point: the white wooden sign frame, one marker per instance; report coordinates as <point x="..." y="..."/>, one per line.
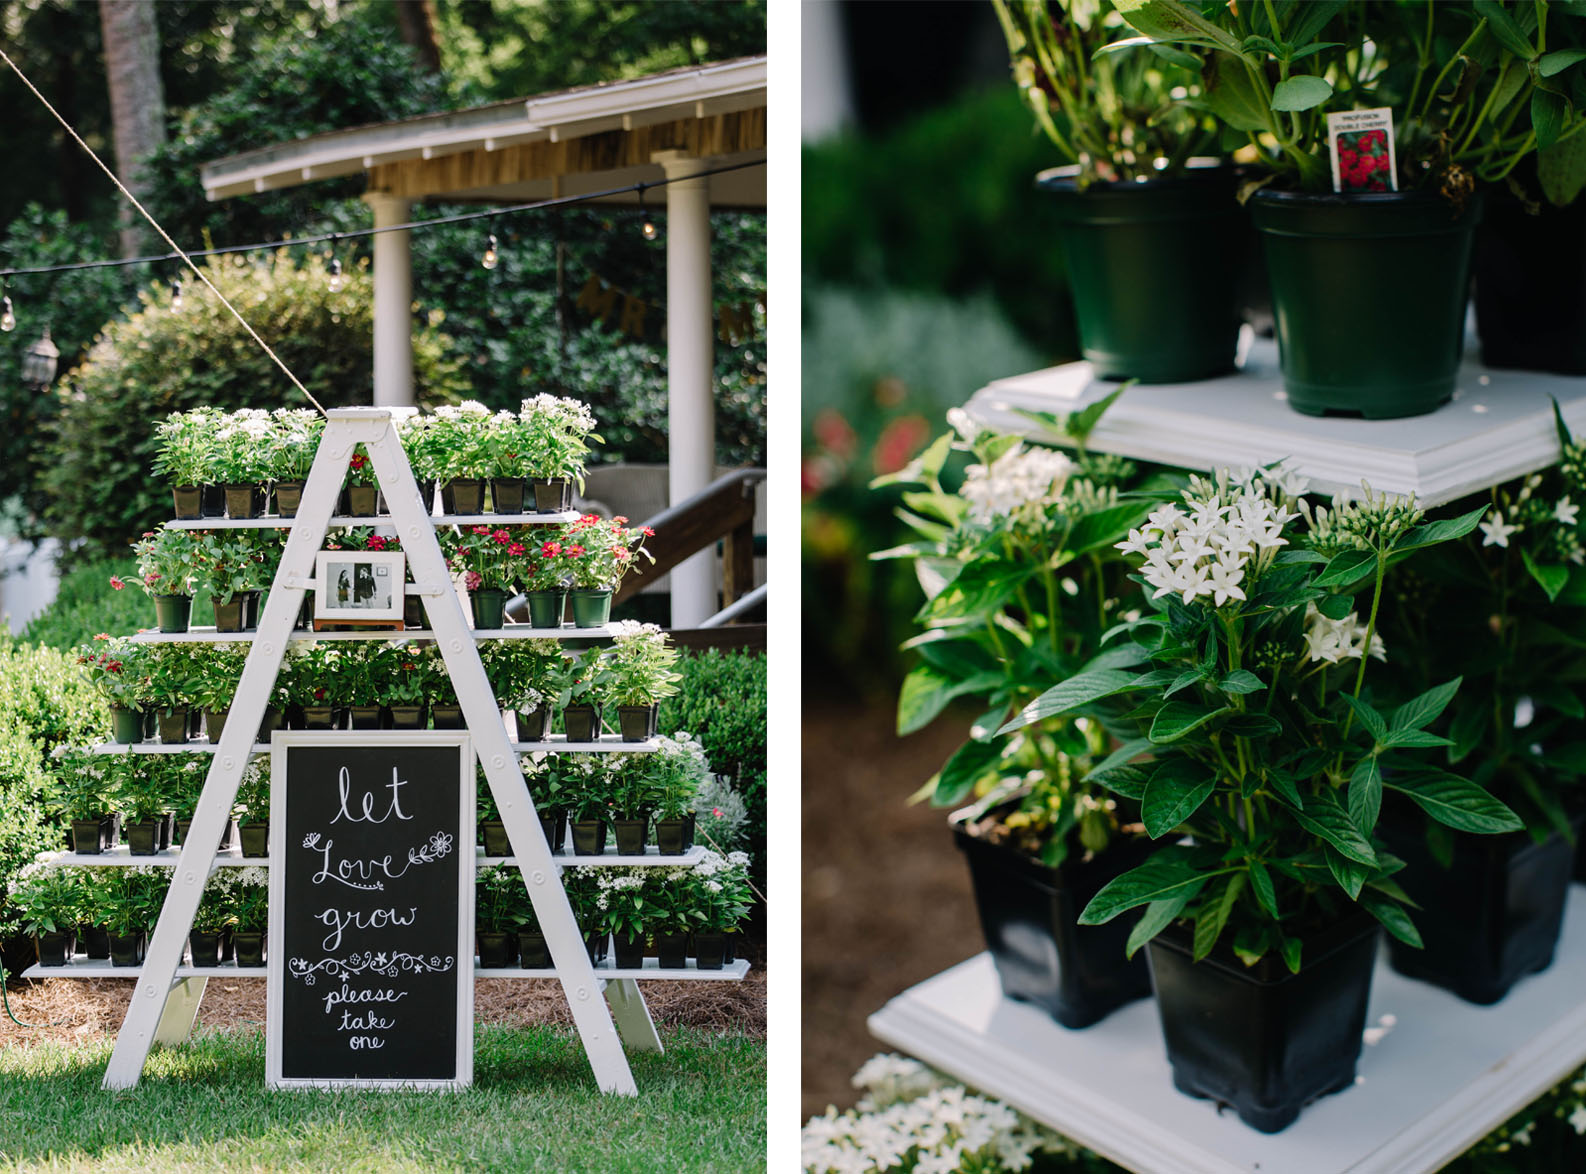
<point x="281" y="743"/>
<point x="410" y="516"/>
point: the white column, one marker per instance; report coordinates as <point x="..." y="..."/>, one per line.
<point x="393" y="303"/>
<point x="690" y="371"/>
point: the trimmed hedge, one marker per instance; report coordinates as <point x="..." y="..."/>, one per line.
<point x="722" y="701"/>
<point x="85" y="605"/>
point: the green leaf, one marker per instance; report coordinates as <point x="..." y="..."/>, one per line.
<point x="1335" y="607"/>
<point x="1393" y="917"/>
<point x="1261" y="886"/>
<point x="1559" y="60"/>
<point x="1176" y="791"/>
<point x="1301" y="92"/>
<point x="1561" y="171"/>
<point x="1413" y="740"/>
<point x="927" y="691"/>
<point x="1365" y="793"/>
<point x="1122" y="756"/>
<point x="1504" y="29"/>
<point x="1316" y="14"/>
<point x="1177" y="718"/>
<point x="1124" y="656"/>
<point x="1548" y="111"/>
<point x="1457" y="803"/>
<point x="1350" y="874"/>
<point x="1422" y="711"/>
<point x="1369" y="717"/>
<point x="1183" y="681"/>
<point x="1550" y="576"/>
<point x="1079" y="425"/>
<point x="1170" y="872"/>
<point x="958" y="776"/>
<point x="1233" y="95"/>
<point x="1344" y="569"/>
<point x="1128" y="781"/>
<point x="1241" y="681"/>
<point x="979" y="589"/>
<point x="1209" y="925"/>
<point x="1325" y="818"/>
<point x="1443" y="530"/>
<point x="1291" y="954"/>
<point x="1157" y="917"/>
<point x="1078" y="690"/>
<point x="1106" y="527"/>
<point x="1170" y="20"/>
<point x="1177" y="57"/>
<point x="1252" y="725"/>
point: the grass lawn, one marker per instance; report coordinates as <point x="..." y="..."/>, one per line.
<point x="534" y="1106"/>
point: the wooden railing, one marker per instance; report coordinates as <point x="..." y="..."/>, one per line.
<point x="724" y="512"/>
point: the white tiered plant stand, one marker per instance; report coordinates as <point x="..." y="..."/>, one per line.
<point x="168" y="993"/>
<point x="1436" y="1074"/>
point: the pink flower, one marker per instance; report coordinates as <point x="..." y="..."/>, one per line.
<point x="376" y="542"/>
<point x="151" y="578"/>
<point x="647" y="532"/>
<point x="575" y="550"/>
<point x="716" y="811"/>
<point x="117" y="584"/>
<point x="620" y="520"/>
<point x="502" y="537"/>
<point x="551" y="549"/>
<point x="517" y="550"/>
<point x="481" y="530"/>
<point x="473" y="580"/>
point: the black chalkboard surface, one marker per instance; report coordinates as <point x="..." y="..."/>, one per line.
<point x="371" y="864"/>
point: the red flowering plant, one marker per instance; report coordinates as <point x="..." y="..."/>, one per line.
<point x="600" y="551"/>
<point x="233" y="561"/>
<point x="363" y="538"/>
<point x="544" y="561"/>
<point x="115" y="667"/>
<point x="407" y="680"/>
<point x="360" y="469"/>
<point x="484" y="555"/>
<point x="168" y="561"/>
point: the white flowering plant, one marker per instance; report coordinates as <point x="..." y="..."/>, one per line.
<point x="187" y="445"/>
<point x="1021" y="580"/>
<point x="1238" y="696"/>
<point x="642" y="663"/>
<point x="555" y="434"/>
<point x="717" y="891"/>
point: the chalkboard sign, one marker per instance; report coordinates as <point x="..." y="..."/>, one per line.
<point x="370" y="949"/>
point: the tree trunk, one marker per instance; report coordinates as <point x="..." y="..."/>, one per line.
<point x="137" y="100"/>
<point x="416" y="23"/>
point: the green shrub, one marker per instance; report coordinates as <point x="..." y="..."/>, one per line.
<point x="86" y="605"/>
<point x="96" y="462"/>
<point x="721" y="700"/>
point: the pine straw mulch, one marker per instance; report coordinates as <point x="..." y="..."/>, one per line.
<point x="75" y="1009"/>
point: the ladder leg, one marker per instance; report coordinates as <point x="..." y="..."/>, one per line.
<point x="632" y="1016"/>
<point x="181" y="1011"/>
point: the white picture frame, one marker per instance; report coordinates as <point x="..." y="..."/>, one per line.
<point x="281" y="743"/>
<point x="359" y="585"/>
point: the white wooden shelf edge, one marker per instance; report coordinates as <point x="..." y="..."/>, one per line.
<point x="347" y="521"/>
<point x="1436" y="1074"/>
<point x="730" y="972"/>
<point x="199" y="634"/>
<point x="120" y="857"/>
<point x="612" y="859"/>
<point x="1499" y="425"/>
<point x="82" y="967"/>
<point x="556" y="744"/>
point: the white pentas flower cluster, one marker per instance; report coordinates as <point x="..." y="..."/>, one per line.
<point x="1208" y="549"/>
<point x="1021" y="480"/>
<point x="1332" y="641"/>
<point x="918" y="1121"/>
<point x="570" y="413"/>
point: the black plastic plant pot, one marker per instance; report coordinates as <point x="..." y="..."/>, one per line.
<point x="188" y="500"/>
<point x="637" y="723"/>
<point x="227" y="835"/>
<point x="552" y="494"/>
<point x="629" y="951"/>
<point x="489" y="607"/>
<point x="53" y="948"/>
<point x="709" y="950"/>
<point x="506" y="495"/>
<point x="534" y="725"/>
<point x="496" y="841"/>
<point x="87" y="839"/>
<point x="729" y="945"/>
<point x="1368" y="297"/>
<point x="631" y="835"/>
<point x="126" y="726"/>
<point x="463" y="495"/>
<point x="255" y="839"/>
<point x="673" y="837"/>
<point x="1258" y="1038"/>
<point x="361" y="501"/>
<point x="95" y="941"/>
<point x="589" y="837"/>
<point x="1488" y="921"/>
<point x="173" y="613"/>
<point x="591" y="607"/>
<point x="671" y="950"/>
<point x="250" y="947"/>
<point x="1154" y="271"/>
<point x="243" y="501"/>
<point x="1029" y="914"/>
<point x="553" y="822"/>
<point x="407" y="717"/>
<point x="596" y="944"/>
<point x="412" y="611"/>
<point x="173" y="725"/>
<point x="127" y="949"/>
<point x="215" y="723"/>
<point x="269" y="723"/>
<point x="546" y="608"/>
<point x="581" y="723"/>
<point x="447" y="717"/>
<point x="427" y="493"/>
<point x="497" y="949"/>
<point x="364" y="717"/>
<point x="212" y="501"/>
<point x="534" y="953"/>
<point x="288" y="497"/>
<point x="204" y="948"/>
<point x="143" y="838"/>
<point x="166" y="826"/>
<point x="231" y="616"/>
<point x="319" y="717"/>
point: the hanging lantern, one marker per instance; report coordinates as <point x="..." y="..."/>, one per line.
<point x="39" y="363"/>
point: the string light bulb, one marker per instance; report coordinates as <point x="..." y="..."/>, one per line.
<point x="176" y="296"/>
<point x="8" y="318"/>
<point x="647" y="227"/>
<point x="490" y="259"/>
<point x="336" y="279"/>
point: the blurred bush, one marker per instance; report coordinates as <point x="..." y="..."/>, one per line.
<point x="86" y="605"/>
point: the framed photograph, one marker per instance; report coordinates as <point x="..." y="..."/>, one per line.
<point x="359" y="585"/>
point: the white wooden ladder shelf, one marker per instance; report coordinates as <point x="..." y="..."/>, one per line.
<point x="158" y="984"/>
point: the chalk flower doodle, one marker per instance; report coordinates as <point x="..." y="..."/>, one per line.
<point x="383" y="962"/>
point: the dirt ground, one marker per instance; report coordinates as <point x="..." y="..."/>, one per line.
<point x="887" y="901"/>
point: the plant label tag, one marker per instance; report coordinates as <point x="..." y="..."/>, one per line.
<point x="1361" y="145"/>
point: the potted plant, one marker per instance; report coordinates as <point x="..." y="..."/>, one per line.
<point x="677" y="769"/>
<point x="598" y="553"/>
<point x="542" y="576"/>
<point x="1396" y="229"/>
<point x="586" y="789"/>
<point x="180" y="781"/>
<point x="403" y="687"/>
<point x="252" y="809"/>
<point x="506" y="444"/>
<point x="233" y="567"/>
<point x="290" y="451"/>
<point x="83" y="792"/>
<point x="671" y="917"/>
<point x="249" y="907"/>
<point x="1267" y="752"/>
<point x="626" y="910"/>
<point x="365" y="666"/>
<point x="212" y="920"/>
<point x="533" y="953"/>
<point x="441" y="694"/>
<point x="241" y="460"/>
<point x="488" y="560"/>
<point x="114" y="667"/>
<point x="558" y="432"/>
<point x="168" y="561"/>
<point x="584" y="696"/>
<point x="496" y="915"/>
<point x="213" y="683"/>
<point x="129" y="901"/>
<point x="363" y="486"/>
<point x="50" y="903"/>
<point x="424" y="451"/>
<point x="582" y="886"/>
<point x="185" y="458"/>
<point x="172" y="678"/>
<point x="492" y="831"/>
<point x="545" y="779"/>
<point x="525" y="675"/>
<point x="719" y="897"/>
<point x="143" y="803"/>
<point x="458" y="436"/>
<point x="641" y="664"/>
<point x="636" y="793"/>
<point x="1150" y="231"/>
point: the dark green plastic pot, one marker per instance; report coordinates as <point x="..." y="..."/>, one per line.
<point x="126" y="725"/>
<point x="546" y="608"/>
<point x="1368" y="295"/>
<point x="591" y="608"/>
<point x="1154" y="271"/>
<point x="173" y="613"/>
<point x="489" y="604"/>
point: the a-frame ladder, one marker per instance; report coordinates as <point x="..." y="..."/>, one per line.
<point x="375" y="430"/>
